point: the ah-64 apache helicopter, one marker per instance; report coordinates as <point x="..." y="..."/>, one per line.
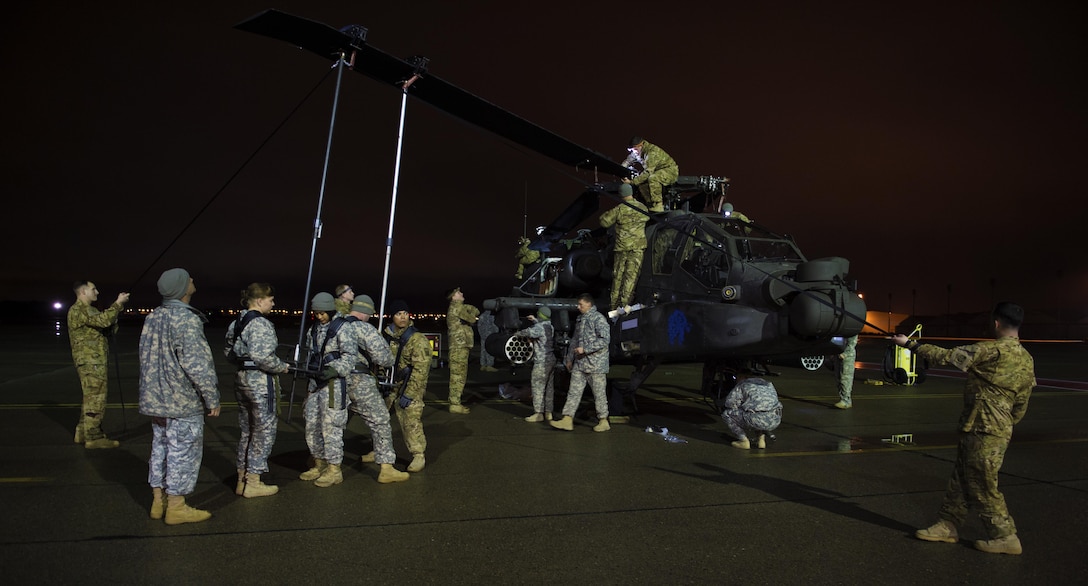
<point x="713" y="289"/>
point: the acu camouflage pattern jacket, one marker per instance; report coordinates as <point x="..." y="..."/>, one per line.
<point x="177" y="372"/>
<point x="591" y="333"/>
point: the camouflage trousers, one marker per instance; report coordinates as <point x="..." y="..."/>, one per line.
<point x="257" y="421"/>
<point x="974" y="484"/>
<point x="92" y="377"/>
<point x="598" y="382"/>
<point x="411" y="423"/>
<point x="325" y="422"/>
<point x="626" y="265"/>
<point x="458" y="373"/>
<point x="485" y="358"/>
<point x="542" y="381"/>
<point x="367" y="402"/>
<point x="846" y="381"/>
<point x="651" y="190"/>
<point x="177" y="447"/>
<point x="741" y="421"/>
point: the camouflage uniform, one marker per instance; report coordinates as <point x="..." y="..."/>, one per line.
<point x="177" y="383"/>
<point x="659" y="170"/>
<point x="542" y="333"/>
<point x="363" y="392"/>
<point x="417" y="354"/>
<point x="257" y="388"/>
<point x="752" y="405"/>
<point x="90" y="352"/>
<point x="846" y="370"/>
<point x="486" y="326"/>
<point x="630" y="218"/>
<point x="525" y="257"/>
<point x="1000" y="377"/>
<point x="325" y="410"/>
<point x="592" y="334"/>
<point x="459" y="319"/>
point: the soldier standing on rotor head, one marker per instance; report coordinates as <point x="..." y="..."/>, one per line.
<point x="659" y="170"/>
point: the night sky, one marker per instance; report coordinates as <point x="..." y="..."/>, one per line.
<point x="933" y="144"/>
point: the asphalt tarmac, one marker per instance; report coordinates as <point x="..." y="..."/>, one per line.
<point x="832" y="501"/>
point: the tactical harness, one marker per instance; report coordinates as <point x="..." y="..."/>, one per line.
<point x="403" y="373"/>
<point x="247" y="363"/>
<point x="318" y="361"/>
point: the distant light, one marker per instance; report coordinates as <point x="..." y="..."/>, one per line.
<point x="57" y="305"/>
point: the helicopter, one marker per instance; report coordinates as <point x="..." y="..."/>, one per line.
<point x="714" y="288"/>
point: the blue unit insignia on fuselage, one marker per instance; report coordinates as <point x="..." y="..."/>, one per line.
<point x="678" y="328"/>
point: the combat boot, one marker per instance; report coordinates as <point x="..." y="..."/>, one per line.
<point x="1009" y="544"/>
<point x="102" y="443"/>
<point x="418" y="462"/>
<point x="158" y="504"/>
<point x="255" y="488"/>
<point x="368" y="457"/>
<point x="602" y="425"/>
<point x="943" y="531"/>
<point x="761" y="443"/>
<point x="742" y="444"/>
<point x="332" y="475"/>
<point x="79" y="433"/>
<point x="315" y="472"/>
<point x="458" y="408"/>
<point x="177" y="512"/>
<point x="240" y="486"/>
<point x="843" y="405"/>
<point x="566" y="423"/>
<point x="535" y="418"/>
<point x="390" y="474"/>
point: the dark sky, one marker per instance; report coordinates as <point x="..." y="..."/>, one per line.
<point x="931" y="143"/>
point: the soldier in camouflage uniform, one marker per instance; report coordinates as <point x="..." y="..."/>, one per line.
<point x="413" y="367"/>
<point x="587" y="358"/>
<point x="1000" y="378"/>
<point x="459" y="319"/>
<point x="363" y="392"/>
<point x="751" y="406"/>
<point x="525" y="257"/>
<point x="326" y="407"/>
<point x="630" y="218"/>
<point x="90" y="352"/>
<point x="486" y="326"/>
<point x="542" y="333"/>
<point x="344" y="296"/>
<point x="251" y="344"/>
<point x="659" y="170"/>
<point x="846" y="373"/>
<point x="177" y="384"/>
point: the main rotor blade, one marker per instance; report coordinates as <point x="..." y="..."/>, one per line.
<point x="330" y="43"/>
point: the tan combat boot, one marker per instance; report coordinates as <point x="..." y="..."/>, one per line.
<point x="368" y="457"/>
<point x="742" y="444"/>
<point x="761" y="443"/>
<point x="566" y="423"/>
<point x="177" y="512"/>
<point x="79" y="433"/>
<point x="390" y="474"/>
<point x="942" y="531"/>
<point x="240" y="486"/>
<point x="255" y="488"/>
<point x="1009" y="544"/>
<point x="459" y="409"/>
<point x="602" y="425"/>
<point x="418" y="462"/>
<point x="535" y="418"/>
<point x="102" y="443"/>
<point x="158" y="504"/>
<point x="332" y="475"/>
<point x="315" y="472"/>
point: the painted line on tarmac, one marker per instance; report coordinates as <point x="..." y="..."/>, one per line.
<point x="901" y="448"/>
<point x="25" y="480"/>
